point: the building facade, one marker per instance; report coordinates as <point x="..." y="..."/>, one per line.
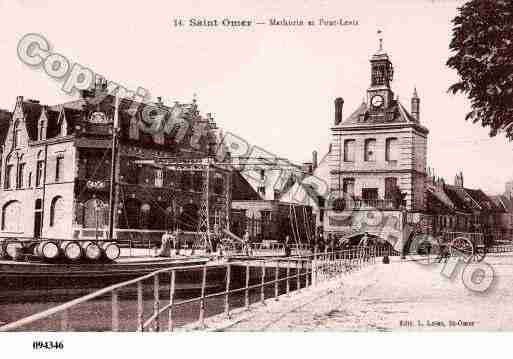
<point x="56" y="168"/>
<point x="378" y="154"/>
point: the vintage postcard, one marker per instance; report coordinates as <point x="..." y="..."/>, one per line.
<point x="257" y="166"/>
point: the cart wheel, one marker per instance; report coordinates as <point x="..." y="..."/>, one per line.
<point x="461" y="246"/>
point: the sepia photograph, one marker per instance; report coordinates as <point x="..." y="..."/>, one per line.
<point x="302" y="168"/>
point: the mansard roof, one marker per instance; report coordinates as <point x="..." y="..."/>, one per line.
<point x="395" y="114"/>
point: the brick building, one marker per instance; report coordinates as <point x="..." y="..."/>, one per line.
<point x="55" y="174"/>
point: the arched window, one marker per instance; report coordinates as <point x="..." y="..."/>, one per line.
<point x="218" y="184"/>
<point x="56" y="210"/>
<point x="20" y="179"/>
<point x="145" y="215"/>
<point x="95" y="213"/>
<point x="11" y="217"/>
<point x="349" y="150"/>
<point x="40" y="168"/>
<point x="392" y="149"/>
<point x="41" y="129"/>
<point x="17" y="134"/>
<point x="370" y="150"/>
<point x="10" y="172"/>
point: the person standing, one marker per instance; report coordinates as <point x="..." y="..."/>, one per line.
<point x="165" y="247"/>
<point x="287" y="246"/>
<point x="245" y="241"/>
<point x="176" y="242"/>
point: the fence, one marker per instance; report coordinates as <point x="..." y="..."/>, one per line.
<point x="300" y="272"/>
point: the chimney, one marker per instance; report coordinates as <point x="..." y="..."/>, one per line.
<point x="314" y="160"/>
<point x="458" y="180"/>
<point x="415" y="105"/>
<point x="339" y="104"/>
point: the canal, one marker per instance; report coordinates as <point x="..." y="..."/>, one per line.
<point x="95" y="315"/>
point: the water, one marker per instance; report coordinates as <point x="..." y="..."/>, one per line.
<point x="95" y="315"/>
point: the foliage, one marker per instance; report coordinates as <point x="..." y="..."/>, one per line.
<point x="482" y="46"/>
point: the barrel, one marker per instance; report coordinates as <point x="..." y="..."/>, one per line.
<point x="111" y="250"/>
<point x="14" y="250"/>
<point x="71" y="249"/>
<point x="47" y="250"/>
<point x="92" y="250"/>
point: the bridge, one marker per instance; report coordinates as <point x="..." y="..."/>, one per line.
<point x="157" y="301"/>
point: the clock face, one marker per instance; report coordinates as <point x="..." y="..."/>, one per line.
<point x="377" y="101"/>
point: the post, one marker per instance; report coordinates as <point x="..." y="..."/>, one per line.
<point x="171" y="300"/>
<point x="140" y="306"/>
<point x="113" y="161"/>
<point x="262" y="286"/>
<point x="298" y="271"/>
<point x="246" y="291"/>
<point x="288" y="276"/>
<point x="64" y="320"/>
<point x="115" y="310"/>
<point x="156" y="301"/>
<point x="306" y="274"/>
<point x="227" y="296"/>
<point x="276" y="276"/>
<point x="202" y="302"/>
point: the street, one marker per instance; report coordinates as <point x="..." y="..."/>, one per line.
<point x="406" y="296"/>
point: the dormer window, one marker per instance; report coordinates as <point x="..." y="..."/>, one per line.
<point x="41" y="130"/>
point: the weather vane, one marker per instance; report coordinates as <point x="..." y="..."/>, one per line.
<point x="380" y="40"/>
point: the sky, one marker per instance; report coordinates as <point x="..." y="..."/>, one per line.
<point x="271" y="85"/>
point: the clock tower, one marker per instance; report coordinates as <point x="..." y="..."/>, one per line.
<point x="379" y="94"/>
<point x="378" y="155"/>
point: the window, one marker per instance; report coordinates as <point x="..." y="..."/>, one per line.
<point x="8" y="176"/>
<point x="10" y="172"/>
<point x="59" y="168"/>
<point x="21" y="171"/>
<point x="348" y="186"/>
<point x="370" y="150"/>
<point x="40" y="169"/>
<point x="145" y="215"/>
<point x="159" y="177"/>
<point x="41" y="130"/>
<point x="392" y="150"/>
<point x="369" y="194"/>
<point x="11" y="217"/>
<point x="349" y="150"/>
<point x="56" y="210"/>
<point x="133" y="132"/>
<point x="17" y="134"/>
<point x="391" y="189"/>
<point x="95" y="213"/>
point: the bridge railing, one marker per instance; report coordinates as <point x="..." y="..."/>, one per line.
<point x="279" y="276"/>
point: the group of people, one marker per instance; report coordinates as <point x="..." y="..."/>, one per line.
<point x="174" y="241"/>
<point x="170" y="242"/>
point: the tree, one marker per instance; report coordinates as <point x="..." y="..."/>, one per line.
<point x="482" y="46"/>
